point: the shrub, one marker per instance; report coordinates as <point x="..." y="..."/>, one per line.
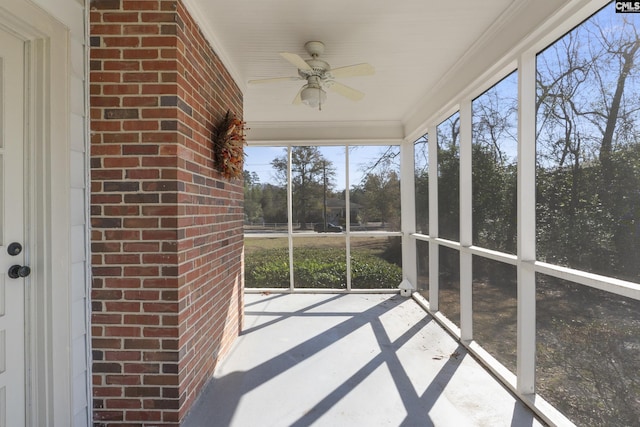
<point x="319" y="268"/>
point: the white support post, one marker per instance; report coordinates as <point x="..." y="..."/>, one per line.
<point x="408" y="212"/>
<point x="433" y="219"/>
<point x="290" y="221"/>
<point x="526" y="342"/>
<point x="466" y="195"/>
<point x="347" y="223"/>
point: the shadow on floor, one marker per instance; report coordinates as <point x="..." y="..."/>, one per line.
<point x="219" y="402"/>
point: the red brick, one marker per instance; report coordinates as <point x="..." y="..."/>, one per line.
<point x="140" y="247"/>
<point x="141" y="271"/>
<point x="140" y="54"/>
<point x="123" y="380"/>
<point x="159" y="89"/>
<point x="151" y="77"/>
<point x="141" y="319"/>
<point x="140" y="125"/>
<point x="142" y="295"/>
<point x="140" y="101"/>
<point x="157" y="307"/>
<point x="140" y="223"/>
<point x="141" y="5"/>
<point x="122" y="235"/>
<point x="121" y="89"/>
<point x="141" y="368"/>
<point x="123" y="282"/>
<point x="123" y="307"/>
<point x="122" y="355"/>
<point x="142" y="392"/>
<point x="109" y="29"/>
<point x="158" y="65"/>
<point x="107" y="391"/>
<point x="121" y="259"/>
<point x="143" y="416"/>
<point x="120" y="162"/>
<point x="101" y="175"/>
<point x="159" y="17"/>
<point x="143" y="174"/>
<point x="141" y="29"/>
<point x="101" y="53"/>
<point x="121" y="65"/>
<point x="120" y="137"/>
<point x="120" y="17"/>
<point x="120" y="41"/>
<point x="159" y="231"/>
<point x="141" y="344"/>
<point x="122" y="404"/>
<point x="102" y="77"/>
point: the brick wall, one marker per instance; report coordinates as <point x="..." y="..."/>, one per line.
<point x="166" y="228"/>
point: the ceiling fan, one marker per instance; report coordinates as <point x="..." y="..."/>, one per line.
<point x="320" y="76"/>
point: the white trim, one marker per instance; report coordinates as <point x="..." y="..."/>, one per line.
<point x="47" y="166"/>
<point x="434" y="254"/>
<point x="526" y="327"/>
<point x="408" y="213"/>
<point x="466" y="215"/>
<point x="87" y="210"/>
<point x="290" y="219"/>
<point x="608" y="284"/>
<point x="354" y="234"/>
<point x="334" y="291"/>
<point x="347" y="204"/>
<point x="325" y="133"/>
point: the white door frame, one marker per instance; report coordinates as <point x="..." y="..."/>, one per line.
<point x="47" y="212"/>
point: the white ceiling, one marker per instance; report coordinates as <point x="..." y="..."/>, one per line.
<point x="413" y="44"/>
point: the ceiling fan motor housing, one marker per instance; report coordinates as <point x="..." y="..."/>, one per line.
<point x="319" y="69"/>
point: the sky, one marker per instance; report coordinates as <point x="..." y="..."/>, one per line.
<point x="258" y="160"/>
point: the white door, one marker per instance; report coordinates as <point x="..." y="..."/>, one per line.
<point x="12" y="290"/>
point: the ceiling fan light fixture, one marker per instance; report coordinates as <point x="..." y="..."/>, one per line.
<point x="313" y="96"/>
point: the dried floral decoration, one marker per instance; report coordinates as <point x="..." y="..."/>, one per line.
<point x="228" y="146"/>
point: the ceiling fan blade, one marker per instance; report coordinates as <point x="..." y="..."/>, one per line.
<point x="298" y="99"/>
<point x="353" y="70"/>
<point x="296" y="60"/>
<point x="346" y="91"/>
<point x="274" y="80"/>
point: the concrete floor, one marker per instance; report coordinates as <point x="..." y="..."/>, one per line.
<point x="350" y="360"/>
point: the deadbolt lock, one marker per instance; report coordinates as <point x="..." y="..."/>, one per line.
<point x="16" y="271"/>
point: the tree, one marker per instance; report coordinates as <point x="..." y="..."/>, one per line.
<point x="311" y="177"/>
<point x="421" y="183"/>
<point x="449" y="178"/>
<point x="274" y="203"/>
<point x="494" y="166"/>
<point x="252" y="197"/>
<point x="588" y="105"/>
<point x="380" y="196"/>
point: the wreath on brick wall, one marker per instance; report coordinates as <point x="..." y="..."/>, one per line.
<point x="228" y="146"/>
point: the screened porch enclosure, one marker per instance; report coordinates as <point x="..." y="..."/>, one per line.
<point x="514" y="214"/>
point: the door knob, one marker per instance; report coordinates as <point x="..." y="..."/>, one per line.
<point x="14" y="249"/>
<point x="16" y="271"/>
